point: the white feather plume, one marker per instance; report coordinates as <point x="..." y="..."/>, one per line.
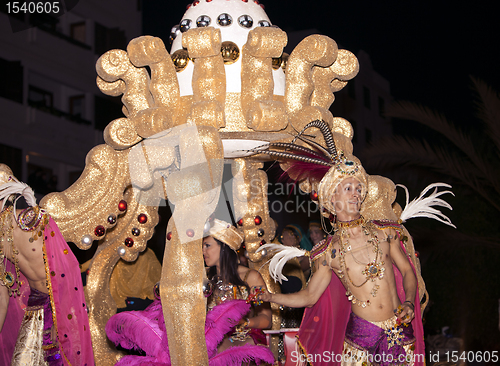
<point x="422" y="206"/>
<point x="16" y="187"/>
<point x="282" y="254"/>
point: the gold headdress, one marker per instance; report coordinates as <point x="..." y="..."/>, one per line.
<point x="226" y="233"/>
<point x="320" y="164"/>
<point x="343" y="169"/>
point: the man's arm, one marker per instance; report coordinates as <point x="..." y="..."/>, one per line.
<point x="409" y="280"/>
<point x="4" y="304"/>
<point x="308" y="296"/>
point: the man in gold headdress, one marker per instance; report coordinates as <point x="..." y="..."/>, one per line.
<point x="55" y="328"/>
<point x="382" y="325"/>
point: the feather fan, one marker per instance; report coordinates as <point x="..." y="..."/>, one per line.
<point x="140" y="330"/>
<point x="282" y="254"/>
<point x="17" y="187"/>
<point x="221" y="319"/>
<point x="235" y="356"/>
<point x="422" y="206"/>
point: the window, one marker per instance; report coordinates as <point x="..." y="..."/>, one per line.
<point x="11" y="86"/>
<point x="368" y="135"/>
<point x="77" y="32"/>
<point x="77" y="105"/>
<point x="13" y="157"/>
<point x="108" y="38"/>
<point x="381" y="107"/>
<point x="366" y="97"/>
<point x="39" y="98"/>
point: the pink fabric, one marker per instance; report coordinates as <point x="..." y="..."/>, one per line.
<point x="12" y="324"/>
<point x="69" y="308"/>
<point x="323" y="326"/>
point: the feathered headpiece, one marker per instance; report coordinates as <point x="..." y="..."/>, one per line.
<point x="327" y="166"/>
<point x="9" y="186"/>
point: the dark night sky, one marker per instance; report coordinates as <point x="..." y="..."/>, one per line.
<point x="426" y="50"/>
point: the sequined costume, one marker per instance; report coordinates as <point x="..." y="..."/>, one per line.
<point x="333" y="312"/>
<point x="226" y="292"/>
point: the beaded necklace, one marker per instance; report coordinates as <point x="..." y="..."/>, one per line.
<point x="8" y="279"/>
<point x="373" y="269"/>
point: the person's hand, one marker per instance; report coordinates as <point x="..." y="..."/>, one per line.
<point x="405" y="312"/>
<point x="265" y="296"/>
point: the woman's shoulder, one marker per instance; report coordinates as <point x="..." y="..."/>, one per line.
<point x="250" y="276"/>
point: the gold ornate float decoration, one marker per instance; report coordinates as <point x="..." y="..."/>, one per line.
<point x="183" y="117"/>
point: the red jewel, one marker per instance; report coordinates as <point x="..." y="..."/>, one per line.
<point x="142" y="218"/>
<point x="367" y="300"/>
<point x="190" y="232"/>
<point x="333" y="218"/>
<point x="256" y="1"/>
<point x="169" y="235"/>
<point x="240" y="222"/>
<point x="187" y="7"/>
<point x="262" y="6"/>
<point x="208" y="1"/>
<point x="417" y="254"/>
<point x="262" y="242"/>
<point x="196" y="2"/>
<point x="99" y="230"/>
<point x="122" y="206"/>
<point x="257" y="220"/>
<point x="129" y="242"/>
<point x="314" y="195"/>
<point x="245" y="1"/>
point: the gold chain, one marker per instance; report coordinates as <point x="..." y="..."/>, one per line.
<point x="372" y="270"/>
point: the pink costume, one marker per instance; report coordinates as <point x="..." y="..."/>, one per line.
<point x="67" y="305"/>
<point x="324" y="325"/>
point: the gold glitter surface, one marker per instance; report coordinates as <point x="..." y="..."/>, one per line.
<point x="378" y="202"/>
<point x="113" y="89"/>
<point x="93" y="197"/>
<point x="202" y="42"/>
<point x="121" y="133"/>
<point x="257" y="84"/>
<point x="135" y="279"/>
<point x="181" y="290"/>
<point x="150" y="51"/>
<point x="113" y="247"/>
<point x="152" y="121"/>
<point x="115" y="65"/>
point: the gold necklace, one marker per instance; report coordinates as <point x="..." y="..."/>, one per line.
<point x="350" y="224"/>
<point x="7" y="278"/>
<point x="372" y="271"/>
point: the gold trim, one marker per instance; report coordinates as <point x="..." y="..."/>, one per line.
<point x="303" y="350"/>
